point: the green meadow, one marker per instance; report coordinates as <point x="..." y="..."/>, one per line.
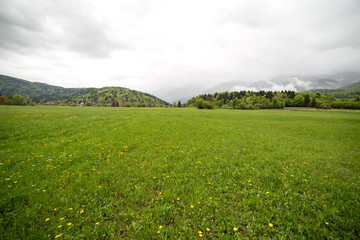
<point x="151" y="173"/>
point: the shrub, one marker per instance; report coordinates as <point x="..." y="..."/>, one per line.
<point x="202" y="104"/>
<point x="325" y="106"/>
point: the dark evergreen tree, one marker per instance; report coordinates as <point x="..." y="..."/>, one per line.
<point x="307" y="100"/>
<point x="313" y="103"/>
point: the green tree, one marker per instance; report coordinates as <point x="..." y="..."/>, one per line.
<point x="313" y="103"/>
<point x="307" y="100"/>
<point x="18" y="99"/>
<point x="202" y="104"/>
<point x="299" y="100"/>
<point x="179" y="104"/>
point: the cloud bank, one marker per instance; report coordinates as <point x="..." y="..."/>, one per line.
<point x="159" y="44"/>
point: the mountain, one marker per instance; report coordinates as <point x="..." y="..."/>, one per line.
<point x="348" y="91"/>
<point x="87" y="96"/>
<point x="293" y="83"/>
<point x="176" y="94"/>
<point x="354" y="86"/>
<point x="35" y="90"/>
<point x="107" y="96"/>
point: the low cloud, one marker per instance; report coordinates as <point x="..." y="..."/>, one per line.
<point x="163" y="44"/>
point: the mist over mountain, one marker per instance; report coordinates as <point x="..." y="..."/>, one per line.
<point x="294" y="82"/>
<point x="176" y="94"/>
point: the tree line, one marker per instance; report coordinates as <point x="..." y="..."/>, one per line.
<point x="271" y="100"/>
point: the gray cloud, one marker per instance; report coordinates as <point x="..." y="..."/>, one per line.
<point x="161" y="44"/>
<point x="54" y="24"/>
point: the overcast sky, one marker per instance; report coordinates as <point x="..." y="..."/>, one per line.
<point x="150" y="44"/>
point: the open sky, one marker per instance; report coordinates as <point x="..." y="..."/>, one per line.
<point x="154" y="44"/>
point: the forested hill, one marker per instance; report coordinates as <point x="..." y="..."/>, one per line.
<point x="108" y="96"/>
<point x="267" y="100"/>
<point x="116" y="96"/>
<point x="34" y="90"/>
<point x="349" y="91"/>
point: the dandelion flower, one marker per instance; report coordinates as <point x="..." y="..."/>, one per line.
<point x="235" y="229"/>
<point x="178" y="199"/>
<point x="47" y="219"/>
<point x="69" y="224"/>
<point x="58" y="235"/>
<point x="97" y="223"/>
<point x="70" y="209"/>
<point x="192" y="206"/>
<point x="208" y="229"/>
<point x="326" y="223"/>
<point x="61" y="218"/>
<point x="81" y="211"/>
<point x="59" y="226"/>
<point x="158" y="232"/>
<point x="271" y="225"/>
<point x="160" y="227"/>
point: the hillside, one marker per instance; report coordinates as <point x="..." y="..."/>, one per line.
<point x="34" y="90"/>
<point x="348" y="91"/>
<point x="117" y="96"/>
<point x="296" y="83"/>
<point x="354" y="86"/>
<point x="86" y="96"/>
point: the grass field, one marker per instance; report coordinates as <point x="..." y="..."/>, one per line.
<point x="115" y="173"/>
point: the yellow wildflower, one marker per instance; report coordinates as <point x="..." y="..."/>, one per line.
<point x="326" y="223"/>
<point x="192" y="206"/>
<point x="47" y="219"/>
<point x="97" y="223"/>
<point x="160" y="227"/>
<point x="235" y="229"/>
<point x="69" y="224"/>
<point x="208" y="229"/>
<point x="58" y="235"/>
<point x="81" y="211"/>
<point x="271" y="225"/>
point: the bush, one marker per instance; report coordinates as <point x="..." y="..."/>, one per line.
<point x="126" y="104"/>
<point x="139" y="104"/>
<point x="325" y="106"/>
<point x="202" y="104"/>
